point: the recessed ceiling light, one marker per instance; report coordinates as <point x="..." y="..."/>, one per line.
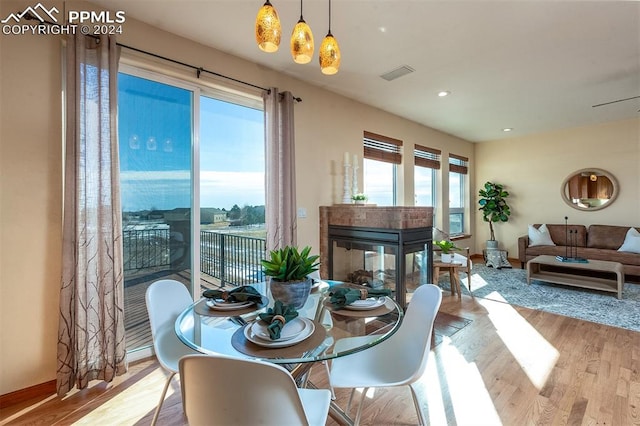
<point x="507" y="129"/>
<point x="444" y="93"/>
<point x="382" y="29"/>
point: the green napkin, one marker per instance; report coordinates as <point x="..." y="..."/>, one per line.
<point x="343" y="296"/>
<point x="241" y="294"/>
<point x="275" y="317"/>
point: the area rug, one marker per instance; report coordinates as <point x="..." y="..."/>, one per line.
<point x="510" y="286"/>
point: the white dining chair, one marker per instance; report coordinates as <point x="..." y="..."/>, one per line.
<point x="233" y="391"/>
<point x="165" y="300"/>
<point x="398" y="361"/>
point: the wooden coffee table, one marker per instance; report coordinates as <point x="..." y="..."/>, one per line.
<point x="610" y="275"/>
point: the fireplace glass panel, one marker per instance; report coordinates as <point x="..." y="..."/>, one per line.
<point x="397" y="260"/>
<point x="373" y="265"/>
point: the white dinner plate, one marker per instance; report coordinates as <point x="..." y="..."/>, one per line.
<point x="289" y="331"/>
<point x="228" y="306"/>
<point x="308" y="331"/>
<point x="366" y="304"/>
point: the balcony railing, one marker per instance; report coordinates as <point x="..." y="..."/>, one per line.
<point x="145" y="248"/>
<point x="232" y="259"/>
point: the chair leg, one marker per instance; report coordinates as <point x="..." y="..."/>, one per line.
<point x="421" y="418"/>
<point x="164" y="393"/>
<point x="326" y="367"/>
<point x="359" y="412"/>
<point x="353" y="391"/>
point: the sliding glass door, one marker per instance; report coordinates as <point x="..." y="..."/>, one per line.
<point x="155" y="129"/>
<point x="192" y="168"/>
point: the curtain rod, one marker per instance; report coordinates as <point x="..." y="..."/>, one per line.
<point x="199" y="70"/>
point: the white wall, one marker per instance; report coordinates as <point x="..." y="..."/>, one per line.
<point x="327" y="125"/>
<point x="30" y="206"/>
<point x="534" y="167"/>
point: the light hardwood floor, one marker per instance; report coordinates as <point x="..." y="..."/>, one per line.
<point x="509" y="366"/>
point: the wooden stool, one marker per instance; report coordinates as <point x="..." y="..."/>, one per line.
<point x="454" y="278"/>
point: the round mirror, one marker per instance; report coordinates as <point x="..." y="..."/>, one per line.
<point x="589" y="189"/>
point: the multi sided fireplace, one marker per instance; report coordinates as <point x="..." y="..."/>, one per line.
<point x="380" y="247"/>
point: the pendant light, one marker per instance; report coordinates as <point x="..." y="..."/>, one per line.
<point x="329" y="54"/>
<point x="268" y="28"/>
<point x="301" y="41"/>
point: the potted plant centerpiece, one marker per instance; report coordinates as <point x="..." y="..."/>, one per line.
<point x="359" y="198"/>
<point x="446" y="247"/>
<point x="289" y="269"/>
<point x="494" y="208"/>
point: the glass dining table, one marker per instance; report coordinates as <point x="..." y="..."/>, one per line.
<point x="238" y="331"/>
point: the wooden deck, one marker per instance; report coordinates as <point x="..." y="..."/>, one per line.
<point x="136" y="319"/>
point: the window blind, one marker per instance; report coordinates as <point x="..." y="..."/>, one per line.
<point x="458" y="164"/>
<point x="426" y="157"/>
<point x="382" y="148"/>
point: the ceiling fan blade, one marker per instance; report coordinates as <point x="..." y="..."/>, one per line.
<point x="613" y="102"/>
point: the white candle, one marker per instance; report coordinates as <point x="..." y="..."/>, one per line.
<point x="346" y="158"/>
<point x="355" y="160"/>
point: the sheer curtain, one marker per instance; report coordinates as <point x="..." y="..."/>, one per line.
<point x="280" y="210"/>
<point x="91" y="342"/>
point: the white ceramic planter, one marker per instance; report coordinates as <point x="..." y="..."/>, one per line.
<point x="446" y="257"/>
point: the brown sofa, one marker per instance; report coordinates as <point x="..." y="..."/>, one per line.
<point x="599" y="242"/>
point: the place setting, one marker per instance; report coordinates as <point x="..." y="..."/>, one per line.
<point x="280" y="328"/>
<point x="359" y="302"/>
<point x="239" y="301"/>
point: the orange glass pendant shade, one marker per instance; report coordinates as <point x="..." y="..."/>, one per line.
<point x="302" y="43"/>
<point x="268" y="28"/>
<point x="329" y="55"/>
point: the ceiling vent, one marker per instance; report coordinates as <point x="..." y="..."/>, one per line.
<point x="397" y="73"/>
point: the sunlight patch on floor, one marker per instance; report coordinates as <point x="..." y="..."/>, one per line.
<point x="371" y="392"/>
<point x="477" y="281"/>
<point x="454" y="391"/>
<point x="470" y="399"/>
<point x="133" y="403"/>
<point x="529" y="348"/>
<point x="434" y="411"/>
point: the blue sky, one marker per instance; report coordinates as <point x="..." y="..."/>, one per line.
<point x="154" y="128"/>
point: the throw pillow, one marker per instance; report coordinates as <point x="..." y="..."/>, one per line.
<point x="631" y="241"/>
<point x="540" y="236"/>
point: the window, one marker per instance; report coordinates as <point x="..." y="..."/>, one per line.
<point x="427" y="161"/>
<point x="381" y="156"/>
<point x="232" y="192"/>
<point x="457" y="179"/>
<point x="192" y="166"/>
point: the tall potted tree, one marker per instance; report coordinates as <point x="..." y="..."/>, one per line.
<point x="494" y="208"/>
